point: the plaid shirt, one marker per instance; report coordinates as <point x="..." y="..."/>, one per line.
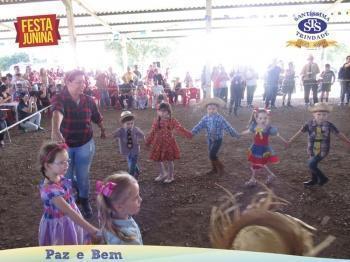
<point x="76" y="125"/>
<point x="215" y="125"/>
<point x="319" y="137"/>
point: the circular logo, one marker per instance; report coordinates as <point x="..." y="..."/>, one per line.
<point x="312" y="25"/>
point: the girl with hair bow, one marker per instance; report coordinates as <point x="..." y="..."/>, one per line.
<point x="62" y="222"/>
<point x="260" y="154"/>
<point x="118" y="199"/>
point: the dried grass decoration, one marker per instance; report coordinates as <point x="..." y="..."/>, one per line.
<point x="259" y="228"/>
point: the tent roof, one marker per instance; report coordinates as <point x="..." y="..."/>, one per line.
<point x="165" y="18"/>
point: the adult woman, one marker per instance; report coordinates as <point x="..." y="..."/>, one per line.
<point x="71" y="123"/>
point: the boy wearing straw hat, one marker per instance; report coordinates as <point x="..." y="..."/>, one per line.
<point x="128" y="137"/>
<point x="215" y="125"/>
<point x="319" y="137"/>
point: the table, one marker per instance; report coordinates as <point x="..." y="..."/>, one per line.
<point x="13" y="106"/>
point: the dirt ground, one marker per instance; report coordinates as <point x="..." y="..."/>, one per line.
<point x="178" y="214"/>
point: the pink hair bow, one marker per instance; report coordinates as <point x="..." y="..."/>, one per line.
<point x="105" y="189"/>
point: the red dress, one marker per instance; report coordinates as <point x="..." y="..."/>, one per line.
<point x="164" y="146"/>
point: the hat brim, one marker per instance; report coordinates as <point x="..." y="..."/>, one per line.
<point x="212" y="101"/>
<point x="321" y="108"/>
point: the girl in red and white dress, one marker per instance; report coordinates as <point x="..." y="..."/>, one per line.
<point x="164" y="147"/>
<point x="260" y="154"/>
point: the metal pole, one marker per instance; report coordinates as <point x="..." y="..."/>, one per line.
<point x="71" y="29"/>
<point x="208" y="20"/>
<point x="124" y="52"/>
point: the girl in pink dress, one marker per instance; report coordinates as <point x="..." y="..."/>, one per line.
<point x="62" y="222"/>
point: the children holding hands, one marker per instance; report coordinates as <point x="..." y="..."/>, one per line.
<point x="164" y="148"/>
<point x="62" y="222"/>
<point x="260" y="153"/>
<point x="319" y="137"/>
<point x="128" y="137"/>
<point x="215" y="124"/>
<point x="118" y="199"/>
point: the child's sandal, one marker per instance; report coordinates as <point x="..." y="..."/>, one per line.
<point x="161" y="177"/>
<point x="168" y="180"/>
<point x="270" y="179"/>
<point x="250" y="183"/>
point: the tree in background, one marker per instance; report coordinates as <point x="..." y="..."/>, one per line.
<point x="7" y="61"/>
<point x="142" y="50"/>
<point x="336" y="55"/>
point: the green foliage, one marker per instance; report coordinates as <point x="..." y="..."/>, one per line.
<point x="337" y="54"/>
<point x="141" y="51"/>
<point x="7" y="61"/>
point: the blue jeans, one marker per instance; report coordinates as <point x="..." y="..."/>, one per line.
<point x="105" y="100"/>
<point x="132" y="165"/>
<point x="214" y="147"/>
<point x="312" y="164"/>
<point x="79" y="168"/>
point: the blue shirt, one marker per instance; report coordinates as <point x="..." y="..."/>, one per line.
<point x="215" y="125"/>
<point x="129" y="228"/>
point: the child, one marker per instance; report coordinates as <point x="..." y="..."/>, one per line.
<point x="141" y="98"/>
<point x="118" y="199"/>
<point x="165" y="149"/>
<point x="61" y="223"/>
<point x="327" y="80"/>
<point x="319" y="138"/>
<point x="259" y="228"/>
<point x="260" y="153"/>
<point x="215" y="125"/>
<point x="128" y="137"/>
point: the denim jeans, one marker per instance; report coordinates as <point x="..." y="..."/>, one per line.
<point x="310" y="85"/>
<point x="32" y="124"/>
<point x="312" y="163"/>
<point x="250" y="94"/>
<point x="79" y="168"/>
<point x="132" y="165"/>
<point x="345" y="91"/>
<point x="214" y="147"/>
<point x="105" y="100"/>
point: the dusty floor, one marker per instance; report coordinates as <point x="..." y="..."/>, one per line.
<point x="178" y="214"/>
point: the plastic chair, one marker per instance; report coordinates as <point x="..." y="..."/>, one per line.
<point x="192" y="93"/>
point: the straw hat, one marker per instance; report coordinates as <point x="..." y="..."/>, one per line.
<point x="212" y="101"/>
<point x="126" y="114"/>
<point x="258" y="228"/>
<point x="321" y="107"/>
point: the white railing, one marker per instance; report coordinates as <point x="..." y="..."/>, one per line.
<point x="24" y="119"/>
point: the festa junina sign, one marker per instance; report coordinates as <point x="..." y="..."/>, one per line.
<point x="311" y="30"/>
<point x="39" y="30"/>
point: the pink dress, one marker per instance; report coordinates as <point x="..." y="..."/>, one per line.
<point x="55" y="227"/>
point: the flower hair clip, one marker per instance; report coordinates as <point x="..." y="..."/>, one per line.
<point x="105" y="189"/>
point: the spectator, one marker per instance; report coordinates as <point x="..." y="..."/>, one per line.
<point x="251" y="81"/>
<point x="344" y="78"/>
<point x="102" y="85"/>
<point x="308" y="76"/>
<point x="288" y="84"/>
<point x="28" y="106"/>
<point x="273" y="77"/>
